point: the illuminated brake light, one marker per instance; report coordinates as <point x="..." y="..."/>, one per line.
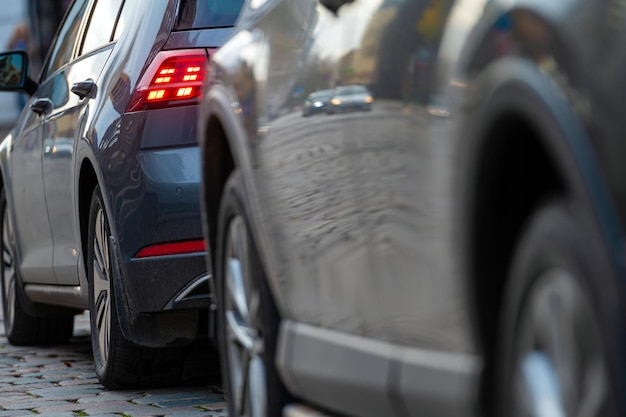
<point x="174" y="78"/>
<point x="156" y="94"/>
<point x="176" y="248"/>
<point x="184" y="92"/>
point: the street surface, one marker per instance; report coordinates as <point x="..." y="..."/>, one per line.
<point x="59" y="381"/>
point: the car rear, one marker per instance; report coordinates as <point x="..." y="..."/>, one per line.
<point x="157" y="212"/>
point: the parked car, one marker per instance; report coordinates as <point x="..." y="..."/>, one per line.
<point x="100" y="206"/>
<point x="350" y="98"/>
<point x="316" y="102"/>
<point x="401" y="263"/>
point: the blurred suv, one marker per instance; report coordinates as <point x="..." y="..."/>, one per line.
<point x="99" y="177"/>
<point x="459" y="250"/>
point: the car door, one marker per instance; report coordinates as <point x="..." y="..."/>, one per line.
<point x="32" y="227"/>
<point x="359" y="202"/>
<point x="75" y="97"/>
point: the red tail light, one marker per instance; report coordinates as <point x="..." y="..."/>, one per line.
<point x="174" y="78"/>
<point x="176" y="248"/>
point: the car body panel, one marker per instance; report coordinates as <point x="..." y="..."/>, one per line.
<point x="60" y="135"/>
<point x="365" y="222"/>
<point x="333" y="283"/>
<point x="32" y="230"/>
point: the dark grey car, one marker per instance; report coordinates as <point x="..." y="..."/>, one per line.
<point x="457" y="251"/>
<point x="100" y="185"/>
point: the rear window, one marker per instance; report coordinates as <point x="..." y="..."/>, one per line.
<point x="204" y="14"/>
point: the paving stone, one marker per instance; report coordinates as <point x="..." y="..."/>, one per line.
<point x="178" y="399"/>
<point x="45" y="406"/>
<point x="14" y="413"/>
<point x="33" y="404"/>
<point x="105" y="415"/>
<point x="59" y="381"/>
<point x="126" y="409"/>
<point x="57" y="392"/>
<point x="214" y="406"/>
<point x="111" y="396"/>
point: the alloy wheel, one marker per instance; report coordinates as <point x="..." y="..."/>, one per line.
<point x="560" y="364"/>
<point x="8" y="272"/>
<point x="243" y="332"/>
<point x="101" y="285"/>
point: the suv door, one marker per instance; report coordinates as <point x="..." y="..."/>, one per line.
<point x="75" y="98"/>
<point x="32" y="232"/>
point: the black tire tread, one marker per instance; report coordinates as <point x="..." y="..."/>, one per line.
<point x="559" y="233"/>
<point x="131" y="365"/>
<point x="233" y="203"/>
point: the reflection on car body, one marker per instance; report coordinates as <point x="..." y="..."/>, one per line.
<point x="456" y="251"/>
<point x="316" y="102"/>
<point x="350" y="98"/>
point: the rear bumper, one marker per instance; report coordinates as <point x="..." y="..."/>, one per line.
<point x="157" y="304"/>
<point x="167" y="283"/>
<point x="152" y="186"/>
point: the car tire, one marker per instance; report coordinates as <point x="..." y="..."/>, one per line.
<point x="553" y="357"/>
<point x="248" y="319"/>
<point x="22" y="328"/>
<point x="118" y="362"/>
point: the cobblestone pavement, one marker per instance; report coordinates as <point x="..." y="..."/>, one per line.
<point x="60" y="381"/>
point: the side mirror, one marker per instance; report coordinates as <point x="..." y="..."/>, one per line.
<point x="14" y="72"/>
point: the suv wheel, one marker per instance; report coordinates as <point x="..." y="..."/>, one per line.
<point x="20" y="327"/>
<point x="247" y="316"/>
<point x="119" y="363"/>
<point x="553" y="353"/>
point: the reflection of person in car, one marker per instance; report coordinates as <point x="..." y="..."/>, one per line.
<point x="19" y="42"/>
<point x="9" y="74"/>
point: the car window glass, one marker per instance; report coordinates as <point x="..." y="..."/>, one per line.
<point x="101" y="24"/>
<point x="59" y="95"/>
<point x="200" y="14"/>
<point x="63" y="48"/>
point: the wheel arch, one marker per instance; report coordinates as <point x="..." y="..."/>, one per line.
<point x="222" y="151"/>
<point x="526" y="144"/>
<point x="86" y="184"/>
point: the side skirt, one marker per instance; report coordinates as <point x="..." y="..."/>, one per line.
<point x="353" y="375"/>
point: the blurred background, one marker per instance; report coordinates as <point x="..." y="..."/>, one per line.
<point x="28" y="25"/>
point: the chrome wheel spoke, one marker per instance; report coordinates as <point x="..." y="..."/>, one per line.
<point x="243" y="336"/>
<point x="243" y="339"/>
<point x="561" y="365"/>
<point x="541" y="386"/>
<point x="102" y="286"/>
<point x="236" y="288"/>
<point x="256" y="387"/>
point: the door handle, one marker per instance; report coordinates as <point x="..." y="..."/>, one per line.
<point x="84" y="89"/>
<point x="41" y="106"/>
<point x="334" y="5"/>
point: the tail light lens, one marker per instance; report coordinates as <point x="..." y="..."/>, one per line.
<point x="172" y="248"/>
<point x="174" y="78"/>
